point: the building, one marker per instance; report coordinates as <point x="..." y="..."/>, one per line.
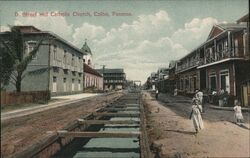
<point x="224" y="60"/>
<point x="87" y="58"/>
<point x="58" y="65"/>
<point x="171" y="80"/>
<point x="245" y="86"/>
<point x="114" y="79"/>
<point x="162" y="82"/>
<point x="220" y="63"/>
<point x="187" y="73"/>
<point x="92" y="79"/>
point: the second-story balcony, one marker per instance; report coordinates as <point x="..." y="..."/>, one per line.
<point x="187" y="65"/>
<point x="223" y="55"/>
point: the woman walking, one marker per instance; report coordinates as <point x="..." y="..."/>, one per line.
<point x="196" y="116"/>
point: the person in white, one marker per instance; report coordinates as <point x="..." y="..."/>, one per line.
<point x="156" y="94"/>
<point x="196" y="116"/>
<point x="199" y="95"/>
<point x="175" y="92"/>
<point x="237" y="112"/>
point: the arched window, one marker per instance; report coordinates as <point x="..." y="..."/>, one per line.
<point x="89" y="62"/>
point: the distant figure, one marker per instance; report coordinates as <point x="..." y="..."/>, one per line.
<point x="196" y="116"/>
<point x="225" y="98"/>
<point x="237" y="112"/>
<point x="175" y="92"/>
<point x="156" y="94"/>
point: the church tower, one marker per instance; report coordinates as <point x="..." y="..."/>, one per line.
<point x="87" y="59"/>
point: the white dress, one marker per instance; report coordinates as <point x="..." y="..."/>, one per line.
<point x="196" y="117"/>
<point x="237" y="113"/>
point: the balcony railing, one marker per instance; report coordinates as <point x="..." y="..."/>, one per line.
<point x="224" y="54"/>
<point x="187" y="66"/>
<point x="213" y="57"/>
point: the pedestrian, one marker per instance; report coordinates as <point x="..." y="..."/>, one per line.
<point x="156" y="94"/>
<point x="199" y="96"/>
<point x="237" y="112"/>
<point x="175" y="92"/>
<point x="195" y="115"/>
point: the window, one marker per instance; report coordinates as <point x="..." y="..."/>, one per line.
<point x="73" y="60"/>
<point x="55" y="52"/>
<point x="73" y="85"/>
<point x="79" y="85"/>
<point x="224" y="81"/>
<point x="64" y="84"/>
<point x="212" y="82"/>
<point x="54" y="84"/>
<point x="30" y="47"/>
<point x="89" y="62"/>
<point x="65" y="57"/>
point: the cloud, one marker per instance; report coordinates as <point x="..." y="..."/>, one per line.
<point x="140" y="47"/>
<point x="87" y="31"/>
<point x="4" y="28"/>
<point x="194" y="32"/>
<point x="58" y="24"/>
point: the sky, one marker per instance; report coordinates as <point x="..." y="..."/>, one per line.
<point x="148" y="36"/>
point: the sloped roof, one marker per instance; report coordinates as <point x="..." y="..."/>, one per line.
<point x="27" y="28"/>
<point x="219" y="28"/>
<point x="245" y="18"/>
<point x="88" y="69"/>
<point x="229" y="26"/>
<point x="110" y="70"/>
<point x="85" y="48"/>
<point x="31" y="30"/>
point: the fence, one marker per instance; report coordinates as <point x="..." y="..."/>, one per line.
<point x="11" y="98"/>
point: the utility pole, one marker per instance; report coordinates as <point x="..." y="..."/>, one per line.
<point x="103" y="68"/>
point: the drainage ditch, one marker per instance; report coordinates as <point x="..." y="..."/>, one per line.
<point x="116" y="130"/>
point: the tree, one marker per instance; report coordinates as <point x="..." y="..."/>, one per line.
<point x="15" y="53"/>
<point x="6" y="67"/>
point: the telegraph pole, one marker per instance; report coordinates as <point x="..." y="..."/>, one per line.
<point x="103" y="68"/>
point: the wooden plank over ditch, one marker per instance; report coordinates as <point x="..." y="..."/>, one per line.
<point x="124" y="105"/>
<point x="98" y="134"/>
<point x="118" y="114"/>
<point x="96" y="122"/>
<point x="120" y="109"/>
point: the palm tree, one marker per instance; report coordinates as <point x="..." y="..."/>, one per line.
<point x="14" y="46"/>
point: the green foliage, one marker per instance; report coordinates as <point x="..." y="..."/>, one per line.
<point x="15" y="53"/>
<point x="6" y="66"/>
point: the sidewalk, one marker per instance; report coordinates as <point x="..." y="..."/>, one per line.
<point x="62" y="100"/>
<point x="172" y="134"/>
<point x="179" y="98"/>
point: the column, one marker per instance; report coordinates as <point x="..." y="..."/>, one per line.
<point x="229" y="42"/>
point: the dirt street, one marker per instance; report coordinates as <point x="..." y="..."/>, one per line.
<point x="172" y="134"/>
<point x="19" y="133"/>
